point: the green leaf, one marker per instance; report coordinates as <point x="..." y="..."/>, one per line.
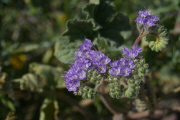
<point x="100" y="13"/>
<point x="64" y="50"/>
<point x="28" y="47"/>
<point x="78" y="29"/>
<point x="7" y="103"/>
<point x="110" y="24"/>
<point x="51" y="76"/>
<point x="114" y="27"/>
<point x="169" y="21"/>
<point x="103" y="43"/>
<point x="49" y="109"/>
<point x="168" y="78"/>
<point x="108" y="46"/>
<point x="29" y="82"/>
<point x="114" y="52"/>
<point x="48" y="55"/>
<point x="95" y="1"/>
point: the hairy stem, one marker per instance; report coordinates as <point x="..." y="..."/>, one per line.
<point x="139" y="37"/>
<point x="152" y="92"/>
<point x="149" y="95"/>
<point x="106" y="102"/>
<point x="108" y="105"/>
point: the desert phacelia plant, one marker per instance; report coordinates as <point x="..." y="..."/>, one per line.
<point x="123" y="76"/>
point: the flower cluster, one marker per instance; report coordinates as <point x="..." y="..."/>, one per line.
<point x="121" y="67"/>
<point x="146" y="18"/>
<point x="124" y="66"/>
<point x="132" y="53"/>
<point x="85" y="58"/>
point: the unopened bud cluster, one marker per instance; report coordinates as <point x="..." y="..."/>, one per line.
<point x="115" y="90"/>
<point x="138" y="74"/>
<point x="94" y="76"/>
<point x="86" y="92"/>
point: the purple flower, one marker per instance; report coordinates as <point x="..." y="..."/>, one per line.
<point x="105" y="60"/>
<point x="84" y="49"/>
<point x="76" y="73"/>
<point x="82" y="74"/>
<point x="146" y="18"/>
<point x="101" y="68"/>
<point x="149" y="23"/>
<point x="130" y="64"/>
<point x="115" y="71"/>
<point x="125" y="71"/>
<point x="85" y="59"/>
<point x="86" y="45"/>
<point x="72" y="85"/>
<point x="121" y="67"/>
<point x="143" y="13"/>
<point x="114" y="63"/>
<point x="125" y="66"/>
<point x="132" y="53"/>
<point x="140" y="20"/>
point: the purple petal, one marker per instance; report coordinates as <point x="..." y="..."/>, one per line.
<point x="82" y="74"/>
<point x="102" y="69"/>
<point x="115" y="71"/>
<point x="125" y="71"/>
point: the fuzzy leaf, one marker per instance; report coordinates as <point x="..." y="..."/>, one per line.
<point x="49" y="109"/>
<point x="29" y="82"/>
<point x="95" y="2"/>
<point x="100" y="13"/>
<point x="64" y="50"/>
<point x="113" y="28"/>
<point x="111" y="24"/>
<point x="78" y="29"/>
<point x="108" y="46"/>
<point x="7" y="103"/>
<point x="52" y="77"/>
<point x="104" y="43"/>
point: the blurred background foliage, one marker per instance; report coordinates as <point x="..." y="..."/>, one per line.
<point x="31" y="86"/>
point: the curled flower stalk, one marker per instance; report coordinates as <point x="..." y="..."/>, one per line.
<point x="151" y="30"/>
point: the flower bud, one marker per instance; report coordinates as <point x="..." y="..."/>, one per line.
<point x="115" y="90"/>
<point x="94" y="76"/>
<point x="87" y="92"/>
<point x="112" y="78"/>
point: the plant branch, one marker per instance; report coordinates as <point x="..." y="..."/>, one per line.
<point x="149" y="95"/>
<point x="106" y="102"/>
<point x="152" y="92"/>
<point x="139" y="37"/>
<point x="108" y="105"/>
